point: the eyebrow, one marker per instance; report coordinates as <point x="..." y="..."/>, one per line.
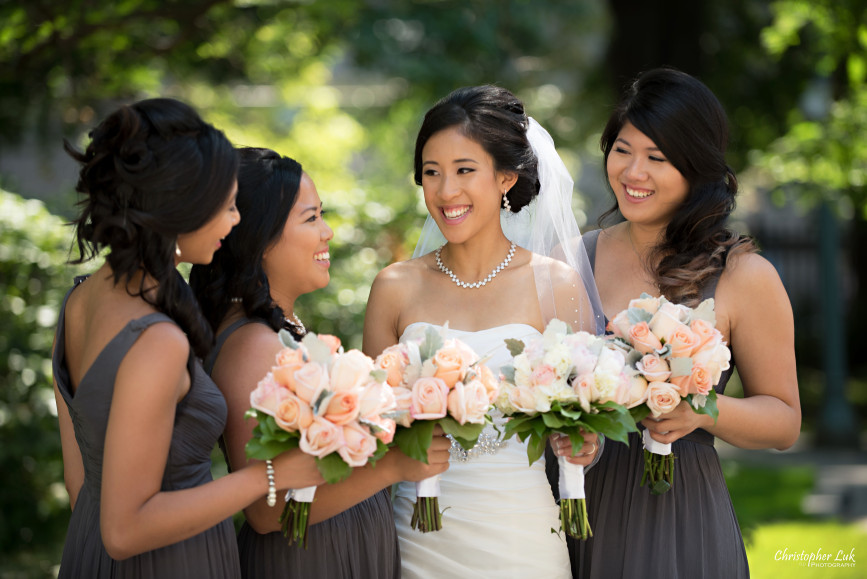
<point x="621" y="139"/>
<point x="310" y="208"/>
<point x="455" y="161"/>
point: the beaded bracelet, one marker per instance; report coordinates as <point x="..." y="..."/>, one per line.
<point x="272" y="488"/>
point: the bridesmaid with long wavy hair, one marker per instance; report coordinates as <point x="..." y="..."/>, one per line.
<point x="138" y="415"/>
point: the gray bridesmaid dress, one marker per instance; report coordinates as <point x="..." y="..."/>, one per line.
<point x="689" y="532"/>
<point x="199" y="421"/>
<point x="359" y="543"/>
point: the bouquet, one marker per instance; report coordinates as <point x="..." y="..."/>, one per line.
<point x="436" y="381"/>
<point x="563" y="382"/>
<point x="682" y="355"/>
<point x="331" y="404"/>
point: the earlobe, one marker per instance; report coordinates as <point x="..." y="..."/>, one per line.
<point x="508" y="180"/>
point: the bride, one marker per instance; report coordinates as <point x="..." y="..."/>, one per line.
<point x="499" y="256"/>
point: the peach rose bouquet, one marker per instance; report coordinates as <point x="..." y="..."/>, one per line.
<point x="682" y="355"/>
<point x="436" y="381"/>
<point x="333" y="405"/>
<point x="567" y="383"/>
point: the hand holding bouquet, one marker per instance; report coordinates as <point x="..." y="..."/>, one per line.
<point x="436" y="382"/>
<point x="331" y="404"/>
<point x="563" y="382"/>
<point x="682" y="356"/>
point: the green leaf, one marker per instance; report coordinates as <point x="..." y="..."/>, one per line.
<point x="709" y="408"/>
<point x="415" y="440"/>
<point x="466" y="434"/>
<point x="638" y="315"/>
<point x="536" y="447"/>
<point x="508" y="372"/>
<point x="514" y="346"/>
<point x="680" y="366"/>
<point x="431" y="343"/>
<point x="318" y="350"/>
<point x="379" y="375"/>
<point x="287" y="339"/>
<point x="332" y="468"/>
<point x="553" y="421"/>
<point x="639" y="413"/>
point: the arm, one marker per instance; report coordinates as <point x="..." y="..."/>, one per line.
<point x="382" y="317"/>
<point x="136" y="516"/>
<point x="760" y="324"/>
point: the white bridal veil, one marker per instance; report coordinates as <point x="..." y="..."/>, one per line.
<point x="547" y="227"/>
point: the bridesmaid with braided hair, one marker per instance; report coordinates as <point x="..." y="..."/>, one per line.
<point x="664" y="150"/>
<point x="138" y="415"/>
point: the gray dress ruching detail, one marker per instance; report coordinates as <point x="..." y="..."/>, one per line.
<point x="359" y="543"/>
<point x="199" y="420"/>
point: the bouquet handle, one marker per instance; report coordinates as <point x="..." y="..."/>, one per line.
<point x="426" y="515"/>
<point x="573" y="506"/>
<point x="296" y="515"/>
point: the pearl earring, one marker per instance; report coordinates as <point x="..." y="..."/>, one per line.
<point x="177" y="250"/>
<point x="506" y="205"/>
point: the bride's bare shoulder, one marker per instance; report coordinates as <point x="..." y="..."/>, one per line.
<point x="560" y="271"/>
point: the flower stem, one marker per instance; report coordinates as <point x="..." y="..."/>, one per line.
<point x="573" y="518"/>
<point x="658" y="472"/>
<point x="426" y="515"/>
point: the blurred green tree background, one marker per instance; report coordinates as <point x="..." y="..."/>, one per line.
<point x="342" y="86"/>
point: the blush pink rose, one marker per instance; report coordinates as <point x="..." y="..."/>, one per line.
<point x="293" y="414"/>
<point x="489" y="381"/>
<point x="358" y="445"/>
<point x="321" y="438"/>
<point x="268" y="395"/>
<point x="667" y="318"/>
<point x="716" y="358"/>
<point x="662" y="398"/>
<point x="350" y="371"/>
<point x="523" y="399"/>
<point x="393" y="360"/>
<point x="585" y="387"/>
<point x="376" y="398"/>
<point x="543" y="375"/>
<point x="429" y="399"/>
<point x="342" y="407"/>
<point x="682" y="341"/>
<point x="619" y="325"/>
<point x="636" y="392"/>
<point x="649" y="305"/>
<point x="468" y="402"/>
<point x="654" y="368"/>
<point x="642" y="339"/>
<point x="309" y="381"/>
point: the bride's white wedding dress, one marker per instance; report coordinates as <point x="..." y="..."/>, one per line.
<point x="498" y="511"/>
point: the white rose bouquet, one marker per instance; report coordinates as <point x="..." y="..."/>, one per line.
<point x="331" y="404"/>
<point x="567" y="383"/>
<point x="682" y="355"/>
<point x="436" y="381"/>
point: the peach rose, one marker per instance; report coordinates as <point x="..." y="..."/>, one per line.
<point x="707" y="334"/>
<point x="358" y="447"/>
<point x="292" y="356"/>
<point x="642" y="339"/>
<point x="333" y="342"/>
<point x="342" y="407"/>
<point x="309" y="381"/>
<point x="393" y="360"/>
<point x="429" y="399"/>
<point x="648" y="304"/>
<point x="490" y="382"/>
<point x="523" y="399"/>
<point x="662" y="398"/>
<point x="403" y="399"/>
<point x="383" y="428"/>
<point x="452" y="361"/>
<point x="667" y="318"/>
<point x="715" y="358"/>
<point x="636" y="391"/>
<point x="468" y="402"/>
<point x="682" y="341"/>
<point x="268" y="395"/>
<point x="376" y="398"/>
<point x="698" y="382"/>
<point x="654" y="368"/>
<point x="350" y="371"/>
<point x="293" y="414"/>
<point x="321" y="438"/>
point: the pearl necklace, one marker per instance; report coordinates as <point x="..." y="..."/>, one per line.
<point x="477" y="284"/>
<point x="296" y="323"/>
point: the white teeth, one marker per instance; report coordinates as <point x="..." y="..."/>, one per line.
<point x="455" y="213"/>
<point x="324" y="256"/>
<point x="638" y="194"/>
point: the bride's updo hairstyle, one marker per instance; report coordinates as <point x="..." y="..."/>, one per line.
<point x="688" y="124"/>
<point x="494" y="118"/>
<point x="153" y="170"/>
<point x="267" y="190"/>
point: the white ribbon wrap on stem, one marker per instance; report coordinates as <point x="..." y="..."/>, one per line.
<point x="655" y="446"/>
<point x="429" y="487"/>
<point x="571" y="479"/>
<point x="304" y="495"/>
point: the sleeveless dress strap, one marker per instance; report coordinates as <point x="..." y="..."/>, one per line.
<point x="223" y="336"/>
<point x="590" y="238"/>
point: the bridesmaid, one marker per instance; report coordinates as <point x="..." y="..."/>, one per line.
<point x="138" y="415"/>
<point x="664" y="150"/>
<point x="248" y="293"/>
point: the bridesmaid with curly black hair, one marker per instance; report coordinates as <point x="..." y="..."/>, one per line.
<point x="138" y="415"/>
